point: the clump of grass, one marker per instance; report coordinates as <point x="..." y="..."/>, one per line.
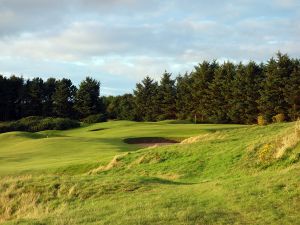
<point x="204" y="137"/>
<point x="274" y="149"/>
<point x="112" y="164"/>
<point x="261" y="120"/>
<point x="279" y="118"/>
<point x="277" y="148"/>
<point x="265" y="152"/>
<point x="288" y="141"/>
<point x="16" y="202"/>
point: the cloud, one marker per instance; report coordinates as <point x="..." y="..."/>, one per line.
<point x="122" y="40"/>
<point x="287" y="3"/>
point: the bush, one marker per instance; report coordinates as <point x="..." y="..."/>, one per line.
<point x="47" y="124"/>
<point x="5" y="127"/>
<point x="279" y="118"/>
<point x="64" y="124"/>
<point x="34" y="124"/>
<point x="261" y="120"/>
<point x="97" y="118"/>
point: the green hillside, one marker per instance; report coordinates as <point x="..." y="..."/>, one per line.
<point x="219" y="174"/>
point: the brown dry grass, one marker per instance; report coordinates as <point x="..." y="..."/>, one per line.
<point x="289" y="140"/>
<point x="277" y="147"/>
<point x="18" y="203"/>
<point x="204" y="137"/>
<point x="112" y="164"/>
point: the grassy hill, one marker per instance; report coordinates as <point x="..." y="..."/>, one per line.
<point x="220" y="174"/>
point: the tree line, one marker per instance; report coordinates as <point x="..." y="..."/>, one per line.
<point x="216" y="93"/>
<point x="51" y="98"/>
<point x="212" y="92"/>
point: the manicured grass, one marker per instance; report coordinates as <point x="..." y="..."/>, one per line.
<point x="221" y="177"/>
<point x="52" y="150"/>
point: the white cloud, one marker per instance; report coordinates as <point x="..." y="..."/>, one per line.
<point x="129" y="39"/>
<point x="287" y="3"/>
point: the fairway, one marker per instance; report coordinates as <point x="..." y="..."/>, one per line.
<point x="219" y="174"/>
<point x="83" y="147"/>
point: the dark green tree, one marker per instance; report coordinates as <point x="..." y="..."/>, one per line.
<point x="184" y="97"/>
<point x="49" y="90"/>
<point x="219" y="92"/>
<point x="245" y="93"/>
<point x="63" y="98"/>
<point x="2" y="97"/>
<point x="167" y="97"/>
<point x="11" y="96"/>
<point x="292" y="92"/>
<point x="146" y="98"/>
<point x="107" y="106"/>
<point x="87" y="101"/>
<point x="201" y="78"/>
<point x="272" y="92"/>
<point x="34" y="97"/>
<point x="17" y="91"/>
<point x="122" y="107"/>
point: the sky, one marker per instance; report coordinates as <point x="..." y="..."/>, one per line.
<point x="119" y="42"/>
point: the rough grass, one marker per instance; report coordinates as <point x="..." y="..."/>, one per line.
<point x="288" y="141"/>
<point x="215" y="177"/>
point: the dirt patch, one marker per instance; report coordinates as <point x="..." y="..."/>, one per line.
<point x="151" y="141"/>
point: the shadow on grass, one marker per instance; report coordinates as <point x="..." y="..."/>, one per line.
<point x="150" y="140"/>
<point x="157" y="180"/>
<point x="99" y="129"/>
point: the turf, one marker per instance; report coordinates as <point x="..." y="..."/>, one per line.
<point x="90" y="175"/>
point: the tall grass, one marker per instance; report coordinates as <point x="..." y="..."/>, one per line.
<point x="288" y="141"/>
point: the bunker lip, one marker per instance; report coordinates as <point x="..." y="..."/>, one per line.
<point x="151" y="141"/>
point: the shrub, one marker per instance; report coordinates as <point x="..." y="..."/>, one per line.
<point x="27" y="124"/>
<point x="279" y="118"/>
<point x="97" y="118"/>
<point x="5" y="127"/>
<point x="34" y="124"/>
<point x="64" y="123"/>
<point x="47" y="124"/>
<point x="261" y="120"/>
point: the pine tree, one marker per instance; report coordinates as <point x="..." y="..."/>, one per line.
<point x="292" y="92"/>
<point x="167" y="97"/>
<point x="49" y="90"/>
<point x="245" y="87"/>
<point x="87" y="101"/>
<point x="63" y="98"/>
<point x="11" y="96"/>
<point x="272" y="98"/>
<point x="184" y="97"/>
<point x="201" y="78"/>
<point x="2" y="97"/>
<point x="146" y="96"/>
<point x="34" y="97"/>
<point x="122" y="107"/>
<point x="219" y="93"/>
